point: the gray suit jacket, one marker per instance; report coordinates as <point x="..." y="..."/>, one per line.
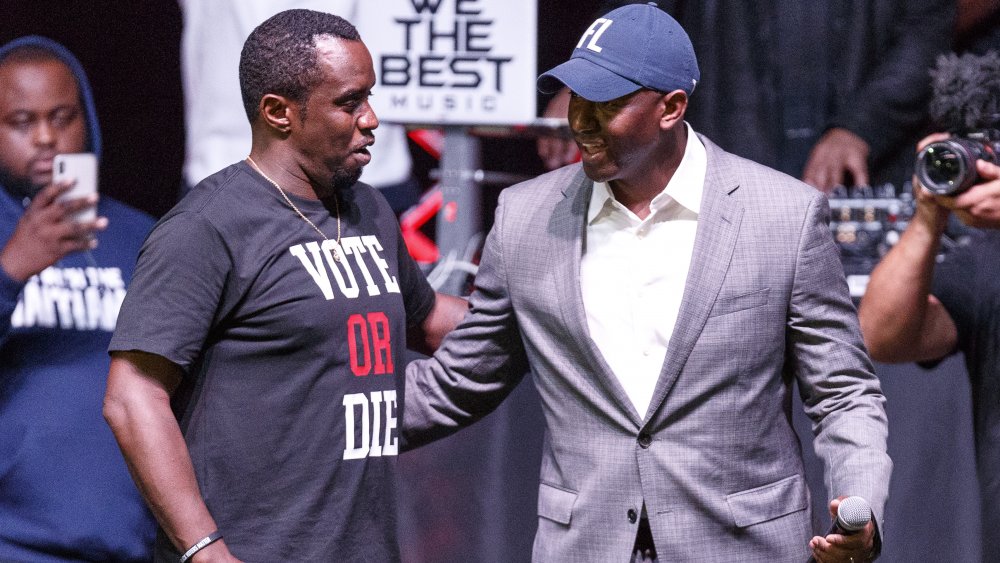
<point x="715" y="460"/>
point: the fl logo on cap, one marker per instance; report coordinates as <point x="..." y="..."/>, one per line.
<point x="595" y="31"/>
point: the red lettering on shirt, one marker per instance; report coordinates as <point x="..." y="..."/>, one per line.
<point x="366" y="352"/>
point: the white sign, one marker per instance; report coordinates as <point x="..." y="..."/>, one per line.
<point x="458" y="62"/>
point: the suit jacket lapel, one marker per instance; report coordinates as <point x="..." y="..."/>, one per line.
<point x="569" y="218"/>
<point x="718" y="228"/>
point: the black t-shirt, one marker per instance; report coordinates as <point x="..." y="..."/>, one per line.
<point x="292" y="359"/>
<point x="967" y="282"/>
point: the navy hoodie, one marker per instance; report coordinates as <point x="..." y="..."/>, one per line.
<point x="65" y="493"/>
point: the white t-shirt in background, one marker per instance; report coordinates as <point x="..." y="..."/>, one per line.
<point x="217" y="129"/>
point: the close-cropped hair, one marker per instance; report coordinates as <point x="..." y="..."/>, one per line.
<point x="279" y="56"/>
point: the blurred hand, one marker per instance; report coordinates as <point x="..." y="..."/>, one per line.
<point x="556" y="151"/>
<point x="979" y="206"/>
<point x="838" y="548"/>
<point x="838" y="155"/>
<point x="47" y="232"/>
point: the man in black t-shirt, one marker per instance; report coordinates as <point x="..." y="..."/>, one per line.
<point x="917" y="308"/>
<point x="253" y="385"/>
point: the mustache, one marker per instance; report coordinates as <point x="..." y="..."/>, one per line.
<point x="41" y="157"/>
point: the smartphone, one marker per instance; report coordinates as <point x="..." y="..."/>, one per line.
<point x="81" y="168"/>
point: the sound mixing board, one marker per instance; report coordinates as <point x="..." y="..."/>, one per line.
<point x="866" y="222"/>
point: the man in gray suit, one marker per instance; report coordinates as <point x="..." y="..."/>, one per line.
<point x="666" y="295"/>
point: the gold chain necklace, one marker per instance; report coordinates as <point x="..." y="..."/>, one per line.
<point x="336" y="206"/>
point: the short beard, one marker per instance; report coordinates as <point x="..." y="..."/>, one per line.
<point x="343" y="179"/>
<point x="19" y="187"/>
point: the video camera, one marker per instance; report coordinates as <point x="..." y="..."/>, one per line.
<point x="966" y="103"/>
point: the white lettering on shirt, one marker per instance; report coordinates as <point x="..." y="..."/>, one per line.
<point x="71" y="299"/>
<point x="374" y="441"/>
<point x="356" y="254"/>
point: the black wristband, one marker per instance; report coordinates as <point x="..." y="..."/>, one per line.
<point x="199" y="545"/>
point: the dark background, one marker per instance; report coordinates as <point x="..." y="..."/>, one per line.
<point x="472" y="497"/>
<point x="131" y="53"/>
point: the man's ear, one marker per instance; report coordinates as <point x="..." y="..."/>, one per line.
<point x="276" y="112"/>
<point x="674" y="107"/>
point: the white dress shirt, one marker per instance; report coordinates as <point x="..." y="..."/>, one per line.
<point x="633" y="273"/>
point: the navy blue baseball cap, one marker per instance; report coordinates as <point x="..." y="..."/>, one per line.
<point x="632" y="47"/>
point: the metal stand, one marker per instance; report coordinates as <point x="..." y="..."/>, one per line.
<point x="460" y="232"/>
<point x="459" y="224"/>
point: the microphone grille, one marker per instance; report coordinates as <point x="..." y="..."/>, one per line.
<point x="853" y="513"/>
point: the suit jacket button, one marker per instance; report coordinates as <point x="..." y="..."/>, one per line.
<point x="645" y="440"/>
<point x="632" y="515"/>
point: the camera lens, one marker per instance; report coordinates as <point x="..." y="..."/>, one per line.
<point x="948" y="167"/>
<point x="944" y="166"/>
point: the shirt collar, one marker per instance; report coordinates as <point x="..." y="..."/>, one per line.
<point x="685" y="186"/>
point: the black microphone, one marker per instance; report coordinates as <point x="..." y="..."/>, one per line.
<point x="853" y="514"/>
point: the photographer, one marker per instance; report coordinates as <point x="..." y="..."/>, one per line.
<point x="919" y="308"/>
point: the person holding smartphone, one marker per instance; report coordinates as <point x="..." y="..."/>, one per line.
<point x="65" y="492"/>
